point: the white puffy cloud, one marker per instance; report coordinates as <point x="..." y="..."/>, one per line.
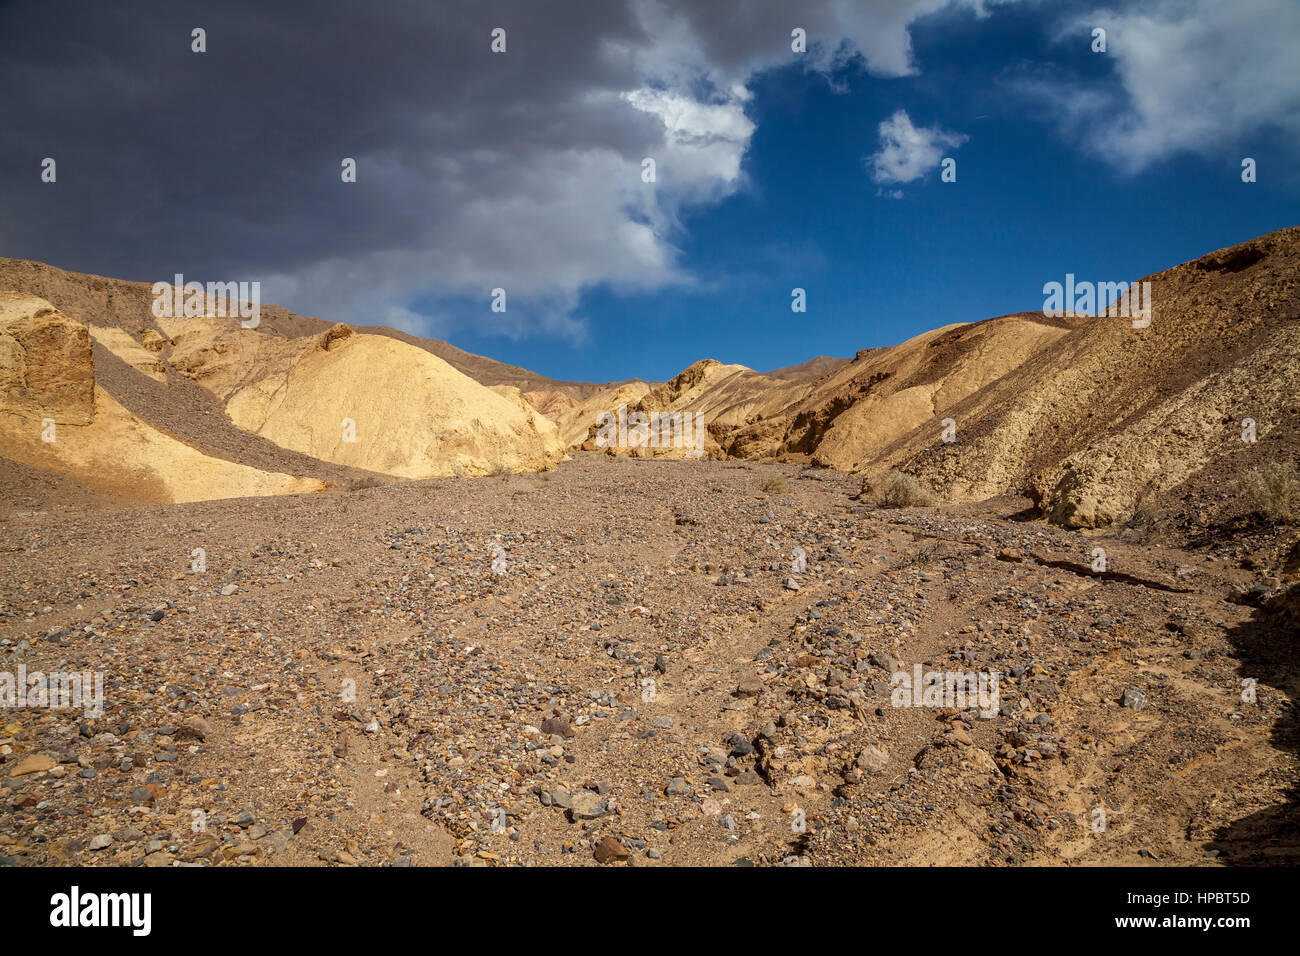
<point x="698" y="159"/>
<point x="1194" y="76"/>
<point x="907" y="152"/>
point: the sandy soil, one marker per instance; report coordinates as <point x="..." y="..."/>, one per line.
<point x="648" y="679"/>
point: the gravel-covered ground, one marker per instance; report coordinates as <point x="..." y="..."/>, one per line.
<point x="645" y="676"/>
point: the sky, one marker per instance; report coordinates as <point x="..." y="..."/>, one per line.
<point x="523" y="169"/>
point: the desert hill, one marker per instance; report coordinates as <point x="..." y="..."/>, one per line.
<point x="853" y="406"/>
<point x="1098" y="421"/>
<point x="180" y="409"/>
<point x="367" y="401"/>
<point x="577" y="424"/>
<point x="726" y="396"/>
<point x="487" y="371"/>
<point x="1110" y="418"/>
<point x="54" y="416"/>
<point x="117" y="303"/>
<point x="886" y="393"/>
<point x="813" y="369"/>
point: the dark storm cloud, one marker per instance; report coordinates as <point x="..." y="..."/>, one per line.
<point x="230" y="159"/>
<point x="475" y="170"/>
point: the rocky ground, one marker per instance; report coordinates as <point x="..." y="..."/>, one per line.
<point x="643" y="677"/>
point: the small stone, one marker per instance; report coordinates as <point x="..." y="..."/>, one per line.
<point x="1134" y="699"/>
<point x="36" y="763"/>
<point x="556" y="727"/>
<point x="195" y="728"/>
<point x="587" y="806"/>
<point x="609" y="850"/>
<point x="872" y="759"/>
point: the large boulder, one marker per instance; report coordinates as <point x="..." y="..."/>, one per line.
<point x="46" y="368"/>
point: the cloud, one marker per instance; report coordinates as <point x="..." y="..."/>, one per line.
<point x="698" y="159"/>
<point x="1190" y="76"/>
<point x="907" y="153"/>
<point x="732" y="41"/>
<point x="475" y="170"/>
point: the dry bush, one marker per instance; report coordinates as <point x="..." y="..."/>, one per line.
<point x="904" y="491"/>
<point x="1273" y="492"/>
<point x="923" y="557"/>
<point x="773" y="484"/>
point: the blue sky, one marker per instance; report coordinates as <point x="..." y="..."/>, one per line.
<point x="520" y="168"/>
<point x="1030" y="204"/>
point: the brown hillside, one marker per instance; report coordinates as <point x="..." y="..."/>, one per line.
<point x="117" y="303"/>
<point x="1111" y="417"/>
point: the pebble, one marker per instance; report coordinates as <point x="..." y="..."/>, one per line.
<point x="586" y="805"/>
<point x="1134" y="699"/>
<point x="610" y="850"/>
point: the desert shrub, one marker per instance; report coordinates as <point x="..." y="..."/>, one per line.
<point x="1273" y="492"/>
<point x="904" y="491"/>
<point x="773" y="484"/>
<point x="923" y="557"/>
